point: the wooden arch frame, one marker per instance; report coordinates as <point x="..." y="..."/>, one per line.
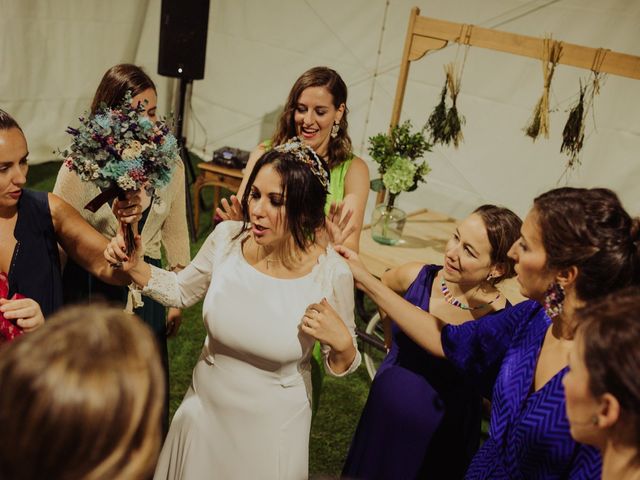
<point x="425" y="34"/>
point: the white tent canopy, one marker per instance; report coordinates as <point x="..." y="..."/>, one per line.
<point x="54" y="54"/>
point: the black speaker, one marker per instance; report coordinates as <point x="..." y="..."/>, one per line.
<point x="183" y="38"/>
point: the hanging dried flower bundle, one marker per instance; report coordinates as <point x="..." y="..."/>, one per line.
<point x="445" y="125"/>
<point x="573" y="133"/>
<point x="436" y="122"/>
<point x="454" y="119"/>
<point x="539" y="123"/>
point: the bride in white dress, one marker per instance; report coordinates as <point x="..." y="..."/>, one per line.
<point x="247" y="414"/>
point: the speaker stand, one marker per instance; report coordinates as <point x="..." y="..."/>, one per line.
<point x="186" y="159"/>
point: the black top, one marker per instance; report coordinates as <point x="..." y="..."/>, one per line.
<point x="35" y="266"/>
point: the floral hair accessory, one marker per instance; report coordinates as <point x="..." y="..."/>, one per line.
<point x="305" y="154"/>
<point x="120" y="149"/>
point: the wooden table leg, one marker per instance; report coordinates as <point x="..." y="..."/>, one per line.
<point x="197" y="187"/>
<point x="216" y="201"/>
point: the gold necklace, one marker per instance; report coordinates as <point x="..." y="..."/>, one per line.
<point x="268" y="261"/>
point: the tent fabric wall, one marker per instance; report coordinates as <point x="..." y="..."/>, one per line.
<point x="52" y="59"/>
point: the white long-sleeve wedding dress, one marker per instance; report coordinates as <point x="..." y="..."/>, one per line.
<point x="247" y="414"/>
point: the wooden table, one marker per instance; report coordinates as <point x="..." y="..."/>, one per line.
<point x="216" y="176"/>
<point x="424" y="239"/>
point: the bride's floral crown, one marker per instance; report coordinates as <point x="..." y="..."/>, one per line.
<point x="305" y="154"/>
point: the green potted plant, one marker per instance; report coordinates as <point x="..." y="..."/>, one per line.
<point x="401" y="167"/>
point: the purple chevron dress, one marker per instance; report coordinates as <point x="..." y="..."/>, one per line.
<point x="422" y="417"/>
<point x="529" y="432"/>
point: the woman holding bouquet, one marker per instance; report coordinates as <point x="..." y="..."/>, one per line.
<point x="163" y="221"/>
<point x="248" y="411"/>
<point x="576" y="245"/>
<point x="32" y="224"/>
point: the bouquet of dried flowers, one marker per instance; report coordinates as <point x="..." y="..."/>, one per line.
<point x="120" y="149"/>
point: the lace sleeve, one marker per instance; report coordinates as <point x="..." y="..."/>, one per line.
<point x="341" y="298"/>
<point x="190" y="285"/>
<point x="163" y="288"/>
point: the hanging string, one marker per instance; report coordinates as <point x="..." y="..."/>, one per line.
<point x="539" y="123"/>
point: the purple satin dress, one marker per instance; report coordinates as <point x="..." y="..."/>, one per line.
<point x="422" y="417"/>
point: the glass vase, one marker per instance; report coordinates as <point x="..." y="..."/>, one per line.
<point x="387" y="223"/>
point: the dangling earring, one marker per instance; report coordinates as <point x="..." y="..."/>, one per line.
<point x="334" y="130"/>
<point x="553" y="299"/>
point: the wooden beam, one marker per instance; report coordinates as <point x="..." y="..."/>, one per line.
<point x="425" y="34"/>
<point x="615" y="63"/>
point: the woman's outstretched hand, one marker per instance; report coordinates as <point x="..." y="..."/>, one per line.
<point x="115" y="253"/>
<point x="230" y="211"/>
<point x="129" y="209"/>
<point x="337" y="223"/>
<point x="359" y="271"/>
<point x="25" y="311"/>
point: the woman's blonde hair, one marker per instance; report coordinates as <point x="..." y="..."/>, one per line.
<point x="81" y="398"/>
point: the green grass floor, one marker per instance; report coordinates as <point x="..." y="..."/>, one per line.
<point x="341" y="401"/>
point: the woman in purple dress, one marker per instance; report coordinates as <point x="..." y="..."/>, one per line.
<point x="576" y="244"/>
<point x="422" y="417"/>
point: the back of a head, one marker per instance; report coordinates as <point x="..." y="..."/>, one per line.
<point x="117" y="81"/>
<point x="610" y="332"/>
<point x="588" y="228"/>
<point x="81" y="398"/>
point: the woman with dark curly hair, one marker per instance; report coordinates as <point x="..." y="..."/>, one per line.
<point x="576" y="245"/>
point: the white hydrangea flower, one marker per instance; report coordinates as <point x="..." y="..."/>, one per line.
<point x="125" y="182"/>
<point x="132" y="151"/>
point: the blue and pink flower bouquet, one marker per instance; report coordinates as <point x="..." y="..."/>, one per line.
<point x="120" y="149"/>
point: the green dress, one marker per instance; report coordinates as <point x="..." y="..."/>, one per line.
<point x="336" y="185"/>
